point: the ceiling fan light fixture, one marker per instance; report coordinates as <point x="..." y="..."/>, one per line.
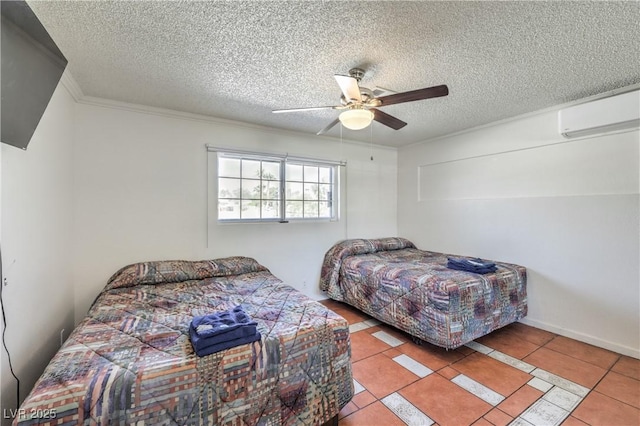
<point x="356" y="119"/>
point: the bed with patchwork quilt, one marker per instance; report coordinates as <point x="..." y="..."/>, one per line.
<point x="414" y="290"/>
<point x="130" y="361"/>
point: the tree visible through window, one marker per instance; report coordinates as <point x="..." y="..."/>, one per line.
<point x="309" y="191"/>
<point x="255" y="189"/>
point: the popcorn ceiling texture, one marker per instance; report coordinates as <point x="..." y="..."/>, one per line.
<point x="240" y="59"/>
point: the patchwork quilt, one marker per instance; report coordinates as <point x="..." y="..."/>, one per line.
<point x="413" y="290"/>
<point x="130" y="361"/>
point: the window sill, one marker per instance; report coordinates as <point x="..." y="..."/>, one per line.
<point x="277" y="221"/>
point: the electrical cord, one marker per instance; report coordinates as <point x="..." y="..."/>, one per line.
<point x="4" y="329"/>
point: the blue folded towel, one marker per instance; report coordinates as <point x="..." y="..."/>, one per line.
<point x="477" y="266"/>
<point x="200" y="342"/>
<point x="217" y="347"/>
<point x="220" y="323"/>
<point x="222" y="330"/>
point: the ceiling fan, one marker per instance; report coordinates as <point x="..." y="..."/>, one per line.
<point x="360" y="106"/>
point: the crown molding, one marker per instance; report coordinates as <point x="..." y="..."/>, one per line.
<point x="76" y="92"/>
<point x="78" y="95"/>
<point x="71" y="85"/>
<point x="553" y="108"/>
<point x="174" y="114"/>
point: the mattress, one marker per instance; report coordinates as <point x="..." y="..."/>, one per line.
<point x="413" y="290"/>
<point x="130" y="361"/>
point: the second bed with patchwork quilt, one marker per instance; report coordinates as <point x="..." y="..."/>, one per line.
<point x="413" y="290"/>
<point x="130" y="361"/>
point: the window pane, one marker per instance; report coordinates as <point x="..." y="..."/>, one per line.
<point x="251" y="189"/>
<point x="250" y="209"/>
<point x="324" y="192"/>
<point x="270" y="209"/>
<point x="325" y="174"/>
<point x="228" y="209"/>
<point x="294" y="209"/>
<point x="294" y="191"/>
<point x="270" y="190"/>
<point x="228" y="188"/>
<point x="310" y="174"/>
<point x="228" y="167"/>
<point x="325" y="209"/>
<point x="310" y="209"/>
<point x="270" y="170"/>
<point x="251" y="169"/>
<point x="294" y="172"/>
<point x="311" y="191"/>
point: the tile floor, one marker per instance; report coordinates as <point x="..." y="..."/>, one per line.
<point x="517" y="375"/>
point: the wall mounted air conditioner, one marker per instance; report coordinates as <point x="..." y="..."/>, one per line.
<point x="618" y="112"/>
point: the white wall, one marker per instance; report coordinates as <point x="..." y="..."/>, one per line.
<point x="36" y="229"/>
<point x="568" y="211"/>
<point x="141" y="194"/>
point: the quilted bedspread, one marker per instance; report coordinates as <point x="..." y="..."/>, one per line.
<point x="413" y="290"/>
<point x="130" y="360"/>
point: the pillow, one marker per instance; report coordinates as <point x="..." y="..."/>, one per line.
<point x="362" y="246"/>
<point x="172" y="271"/>
<point x="391" y="243"/>
<point x="333" y="258"/>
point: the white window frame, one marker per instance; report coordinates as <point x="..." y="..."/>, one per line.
<point x="215" y="153"/>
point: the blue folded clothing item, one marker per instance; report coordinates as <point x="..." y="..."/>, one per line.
<point x="477" y="266"/>
<point x="200" y="342"/>
<point x="222" y="330"/>
<point x="220" y="323"/>
<point x="204" y="349"/>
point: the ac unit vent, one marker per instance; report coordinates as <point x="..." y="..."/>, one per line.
<point x="604" y="115"/>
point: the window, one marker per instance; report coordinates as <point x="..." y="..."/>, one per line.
<point x="309" y="191"/>
<point x="254" y="187"/>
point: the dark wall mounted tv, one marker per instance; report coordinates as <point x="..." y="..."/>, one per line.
<point x="31" y="68"/>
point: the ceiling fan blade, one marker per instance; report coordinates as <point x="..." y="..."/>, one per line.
<point x="277" y="111"/>
<point x="415" y="95"/>
<point x="349" y="87"/>
<point x="329" y="127"/>
<point x="387" y="120"/>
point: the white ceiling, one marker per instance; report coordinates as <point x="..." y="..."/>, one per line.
<point x="240" y="59"/>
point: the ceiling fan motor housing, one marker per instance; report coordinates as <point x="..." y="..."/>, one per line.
<point x="356" y="73"/>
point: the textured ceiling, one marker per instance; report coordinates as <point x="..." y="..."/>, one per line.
<point x="240" y="59"/>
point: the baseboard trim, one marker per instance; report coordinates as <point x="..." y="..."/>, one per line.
<point x="616" y="347"/>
